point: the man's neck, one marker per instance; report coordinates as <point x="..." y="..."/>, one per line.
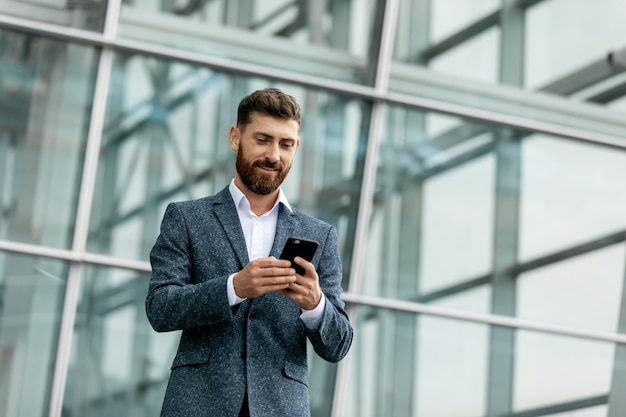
<point x="259" y="203"/>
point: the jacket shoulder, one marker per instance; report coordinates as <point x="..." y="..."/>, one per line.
<point x="307" y="221"/>
<point x="202" y="204"/>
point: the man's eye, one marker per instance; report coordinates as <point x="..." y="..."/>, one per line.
<point x="261" y="140"/>
<point x="287" y="145"/>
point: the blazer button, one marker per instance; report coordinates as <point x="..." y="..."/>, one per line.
<point x="254" y="316"/>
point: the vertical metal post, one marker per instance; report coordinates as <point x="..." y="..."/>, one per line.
<point x="512" y="26"/>
<point x="90" y="167"/>
<point x="617" y="399"/>
<point x="507" y="200"/>
<point x="383" y="68"/>
<point x="502" y="339"/>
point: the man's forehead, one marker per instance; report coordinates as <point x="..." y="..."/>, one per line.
<point x="261" y="121"/>
<point x="258" y="116"/>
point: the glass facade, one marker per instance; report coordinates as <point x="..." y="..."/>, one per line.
<point x="471" y="156"/>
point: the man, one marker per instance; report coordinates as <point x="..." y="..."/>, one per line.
<point x="246" y="315"/>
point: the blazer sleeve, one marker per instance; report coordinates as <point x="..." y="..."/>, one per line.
<point x="175" y="300"/>
<point x="332" y="339"/>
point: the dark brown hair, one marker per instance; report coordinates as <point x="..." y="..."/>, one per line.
<point x="269" y="101"/>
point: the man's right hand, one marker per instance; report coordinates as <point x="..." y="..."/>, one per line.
<point x="263" y="275"/>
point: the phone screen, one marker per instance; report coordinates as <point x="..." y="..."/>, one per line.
<point x="298" y="247"/>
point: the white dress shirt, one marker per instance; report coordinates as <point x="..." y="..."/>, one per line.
<point x="259" y="232"/>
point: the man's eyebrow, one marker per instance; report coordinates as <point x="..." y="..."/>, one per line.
<point x="269" y="136"/>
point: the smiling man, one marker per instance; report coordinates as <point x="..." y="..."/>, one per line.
<point x="246" y="315"/>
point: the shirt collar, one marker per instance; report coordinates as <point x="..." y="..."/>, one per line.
<point x="238" y="196"/>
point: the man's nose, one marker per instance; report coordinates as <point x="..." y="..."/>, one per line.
<point x="272" y="153"/>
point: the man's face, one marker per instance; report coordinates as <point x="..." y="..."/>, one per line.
<point x="265" y="150"/>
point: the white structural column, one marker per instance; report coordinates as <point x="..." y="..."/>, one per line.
<point x="90" y="167"/>
<point x="383" y="68"/>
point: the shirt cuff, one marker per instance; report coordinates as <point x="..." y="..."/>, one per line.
<point x="233" y="299"/>
<point x="313" y="318"/>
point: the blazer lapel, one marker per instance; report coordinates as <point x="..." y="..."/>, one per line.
<point x="226" y="213"/>
<point x="285" y="228"/>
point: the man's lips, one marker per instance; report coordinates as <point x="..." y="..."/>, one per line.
<point x="267" y="169"/>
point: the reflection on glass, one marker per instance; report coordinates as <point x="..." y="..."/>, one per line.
<point x="620" y="104"/>
<point x="432" y="225"/>
<point x="88" y="15"/>
<point x="330" y="39"/>
<point x="31" y="304"/>
<point x="118" y="366"/>
<point x="554" y="370"/>
<point x="407" y="365"/>
<point x="45" y="100"/>
<point x="166" y="139"/>
<point x="450" y="16"/>
<point x="476" y="59"/>
<point x="549" y="58"/>
<point x="423" y="366"/>
<point x="510" y="42"/>
<point x="424" y="24"/>
<point x="456" y="225"/>
<point x="544" y="242"/>
<point x="583" y="291"/>
<point x="572" y="192"/>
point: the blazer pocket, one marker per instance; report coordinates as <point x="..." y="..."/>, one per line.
<point x="191" y="357"/>
<point x="296" y="372"/>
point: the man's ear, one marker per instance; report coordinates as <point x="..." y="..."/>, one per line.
<point x="234" y="137"/>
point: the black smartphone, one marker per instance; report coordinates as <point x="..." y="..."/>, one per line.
<point x="298" y="247"/>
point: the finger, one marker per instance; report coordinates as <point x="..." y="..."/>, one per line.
<point x="273" y="272"/>
<point x="308" y="267"/>
<point x="284" y="280"/>
<point x="271" y="261"/>
<point x="265" y="268"/>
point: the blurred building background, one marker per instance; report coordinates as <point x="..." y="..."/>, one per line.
<point x="472" y="154"/>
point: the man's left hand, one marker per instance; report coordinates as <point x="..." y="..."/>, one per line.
<point x="306" y="291"/>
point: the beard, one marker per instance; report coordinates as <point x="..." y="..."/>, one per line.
<point x="256" y="181"/>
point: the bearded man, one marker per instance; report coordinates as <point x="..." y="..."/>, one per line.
<point x="246" y="315"/>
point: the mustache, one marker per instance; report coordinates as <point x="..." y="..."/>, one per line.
<point x="275" y="166"/>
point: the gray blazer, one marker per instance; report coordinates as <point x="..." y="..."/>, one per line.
<point x="258" y="345"/>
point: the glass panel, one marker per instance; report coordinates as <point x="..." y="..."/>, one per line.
<point x="572" y="193"/>
<point x="549" y="58"/>
<point x="475" y="59"/>
<point x="329" y="39"/>
<point x="620" y="104"/>
<point x="46" y="89"/>
<point x="407" y="365"/>
<point x="166" y="139"/>
<point x="118" y="365"/>
<point x="432" y="225"/>
<point x="553" y="370"/>
<point x="451" y="16"/>
<point x="443" y="201"/>
<point x="584" y="291"/>
<point x="416" y="365"/>
<point x="31" y="303"/>
<point x="423" y="24"/>
<point x="457" y="214"/>
<point x="81" y="14"/>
